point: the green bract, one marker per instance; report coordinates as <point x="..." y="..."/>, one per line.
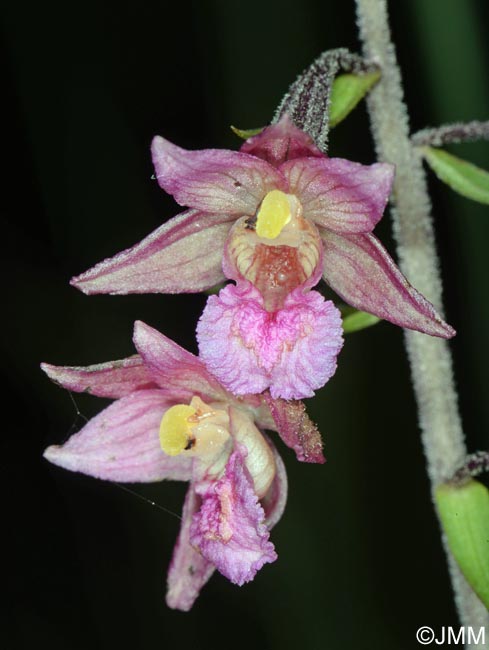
<point x="347" y="91"/>
<point x="246" y="133"/>
<point x="464" y="514"/>
<point x="462" y="176"/>
<point x="355" y="320"/>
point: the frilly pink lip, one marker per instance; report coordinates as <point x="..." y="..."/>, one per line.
<point x="292" y="351"/>
<point x="229" y="529"/>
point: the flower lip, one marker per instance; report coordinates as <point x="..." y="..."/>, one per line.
<point x="229" y="529"/>
<point x="214" y="180"/>
<point x="275" y="266"/>
<point x="292" y="350"/>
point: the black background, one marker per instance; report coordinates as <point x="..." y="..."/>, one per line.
<point x="87" y="85"/>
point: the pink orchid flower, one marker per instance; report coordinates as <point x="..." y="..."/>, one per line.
<point x="331" y="207"/>
<point x="173" y="420"/>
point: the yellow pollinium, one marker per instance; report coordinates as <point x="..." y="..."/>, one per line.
<point x="273" y="215"/>
<point x="175" y="429"/>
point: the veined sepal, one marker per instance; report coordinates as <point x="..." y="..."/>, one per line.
<point x="464" y="515"/>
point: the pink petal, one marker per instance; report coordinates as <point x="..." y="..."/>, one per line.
<point x="296" y="429"/>
<point x="122" y="443"/>
<point x="229" y="529"/>
<point x="112" y="379"/>
<point x="275" y="499"/>
<point x="360" y="270"/>
<point x="213" y="180"/>
<point x="189" y="570"/>
<point x="340" y="195"/>
<point x="182" y="255"/>
<point x="180" y="374"/>
<point x="292" y="351"/>
<point x="280" y="142"/>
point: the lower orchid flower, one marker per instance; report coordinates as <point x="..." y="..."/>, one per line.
<point x="173" y="420"/>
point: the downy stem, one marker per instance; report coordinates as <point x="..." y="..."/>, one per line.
<point x="430" y="358"/>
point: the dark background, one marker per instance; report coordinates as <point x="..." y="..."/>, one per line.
<point x="87" y="85"/>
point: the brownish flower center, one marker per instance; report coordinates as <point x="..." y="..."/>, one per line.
<point x="277" y="250"/>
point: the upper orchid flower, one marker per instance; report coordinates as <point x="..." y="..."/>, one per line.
<point x="173" y="420"/>
<point x="327" y="209"/>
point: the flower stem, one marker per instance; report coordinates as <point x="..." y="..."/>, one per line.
<point x="430" y="358"/>
<point x="452" y="133"/>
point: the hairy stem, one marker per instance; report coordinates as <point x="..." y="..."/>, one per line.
<point x="430" y="359"/>
<point x="452" y="133"/>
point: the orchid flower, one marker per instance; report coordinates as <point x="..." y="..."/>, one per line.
<point x="173" y="420"/>
<point x="269" y="331"/>
<point x="325" y="211"/>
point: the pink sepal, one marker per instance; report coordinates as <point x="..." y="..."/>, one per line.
<point x="214" y="180"/>
<point x="338" y="194"/>
<point x="113" y="379"/>
<point x="361" y="271"/>
<point x="179" y="374"/>
<point x="122" y="443"/>
<point x="182" y="255"/>
<point x="189" y="570"/>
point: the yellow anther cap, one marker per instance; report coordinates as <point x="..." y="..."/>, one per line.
<point x="175" y="429"/>
<point x="273" y="215"/>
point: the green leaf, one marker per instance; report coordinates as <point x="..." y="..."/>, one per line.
<point x="462" y="176"/>
<point x="355" y="320"/>
<point x="347" y="91"/>
<point x="246" y="133"/>
<point x="464" y="514"/>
